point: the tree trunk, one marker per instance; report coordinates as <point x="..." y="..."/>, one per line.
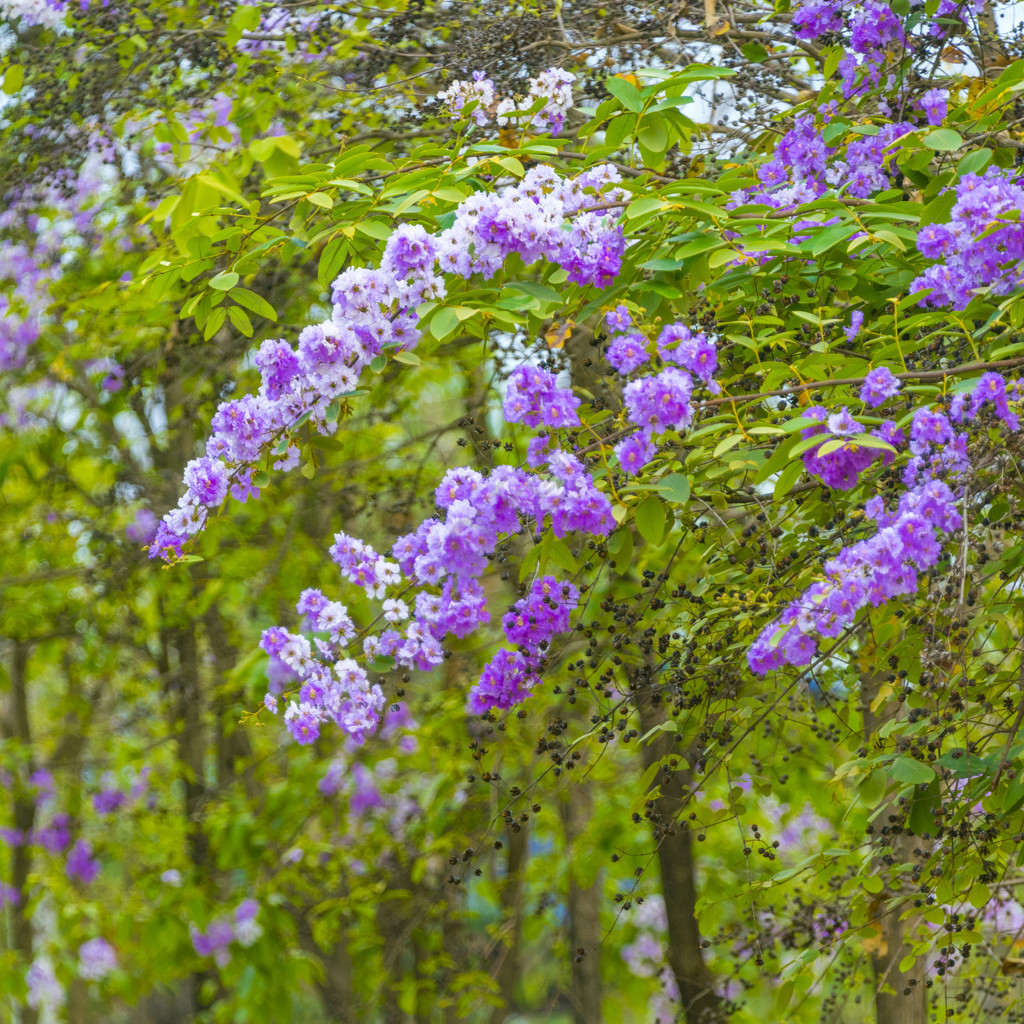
<point x="900" y="997"/>
<point x="18" y="728"/>
<point x="700" y="1003"/>
<point x="335" y="988"/>
<point x="509" y="966"/>
<point x="584" y="906"/>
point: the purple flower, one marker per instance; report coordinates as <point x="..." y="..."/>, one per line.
<point x="142" y="529"/>
<point x="634" y="453"/>
<point x="978" y="247"/>
<point x="879" y="385"/>
<point x="81" y="865"/>
<point x="856" y="323"/>
<point x="247" y="930"/>
<point x="813" y="18"/>
<point x="627" y="352"/>
<point x="506" y="681"/>
<point x="661" y="402"/>
<point x="533" y="397"/>
<point x="544" y="612"/>
<point x="618" y="319"/>
<point x="207" y="480"/>
<point x="694" y="352"/>
<point x="303" y="722"/>
<point x="933" y="103"/>
<point x="96" y="959"/>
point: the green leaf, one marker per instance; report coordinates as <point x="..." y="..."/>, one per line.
<point x="407" y="357"/>
<point x="824" y="240"/>
<point x="443" y="322"/>
<point x="624" y="558"/>
<point x="321" y="199"/>
<point x="675" y="487"/>
<point x="653" y="135"/>
<point x="626" y="93"/>
<point x="529" y="562"/>
<point x="906" y="769"/>
<point x="645" y="204"/>
<point x="974" y="162"/>
<point x="1014" y="795"/>
<point x="938" y="210"/>
<point x="944" y="140"/>
<point x="966" y="766"/>
<point x="787" y="478"/>
<point x="240" y="319"/>
<point x="256" y="303"/>
<point x="544" y="292"/>
<point x="13" y="78"/>
<point x="650" y="519"/>
<point x="214" y="324"/>
<point x="562" y="557"/>
<point x="225" y="281"/>
<point x="378" y="363"/>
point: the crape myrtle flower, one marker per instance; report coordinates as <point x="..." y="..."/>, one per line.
<point x="96" y="959"/>
<point x="627" y="352"/>
<point x="635" y="452"/>
<point x="979" y="246"/>
<point x="660" y="402"/>
<point x="507" y="680"/>
<point x="477" y="93"/>
<point x="373" y="309"/>
<point x="842" y="466"/>
<point x="813" y="18"/>
<point x="856" y="323"/>
<point x="879" y="385"/>
<point x="533" y="397"/>
<point x="876" y="569"/>
<point x="81" y="866"/>
<point x="933" y="103"/>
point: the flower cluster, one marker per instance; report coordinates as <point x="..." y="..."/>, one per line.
<point x="335" y="689"/>
<point x="45" y="992"/>
<point x="535" y="619"/>
<point x="551" y="89"/>
<point x="804" y="166"/>
<point x="374" y="311"/>
<point x="846" y="450"/>
<point x="813" y="18"/>
<point x="477" y="94"/>
<point x="981" y="246"/>
<point x="44" y="13"/>
<point x="872" y="571"/>
<point x="242" y="927"/>
<point x="277" y="26"/>
<point x="533" y="397"/>
<point x="97" y="959"/>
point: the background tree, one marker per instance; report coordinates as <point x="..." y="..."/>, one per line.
<point x="169" y="212"/>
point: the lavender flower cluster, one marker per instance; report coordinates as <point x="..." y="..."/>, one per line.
<point x="981" y="246"/>
<point x="875" y="34"/>
<point x="374" y="311"/>
<point x="662" y="401"/>
<point x="34" y="266"/>
<point x="804" y="166"/>
<point x="842" y="456"/>
<point x="445" y="556"/>
<point x="241" y="927"/>
<point x="478" y="98"/>
<point x="872" y="571"/>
